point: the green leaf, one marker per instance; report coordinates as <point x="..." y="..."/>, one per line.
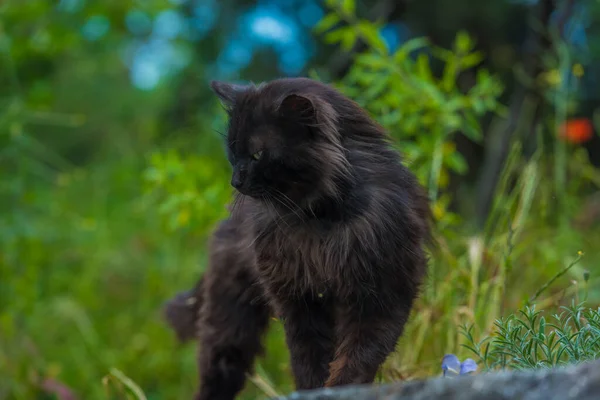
<point x="408" y="47"/>
<point x="336" y="36"/>
<point x="348" y="40"/>
<point x="372" y="61"/>
<point x="471" y="60"/>
<point x="423" y="68"/>
<point x="449" y="76"/>
<point x="327" y="23"/>
<point x="372" y="37"/>
<point x="442" y="54"/>
<point x="452" y="122"/>
<point x="132" y="388"/>
<point x="457" y="163"/>
<point x="376" y="89"/>
<point x="348" y="7"/>
<point x="391" y="118"/>
<point x="471" y="128"/>
<point x="454" y="104"/>
<point x="463" y="43"/>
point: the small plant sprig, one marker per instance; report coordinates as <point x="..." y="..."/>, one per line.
<point x="555" y="277"/>
<point x="528" y="339"/>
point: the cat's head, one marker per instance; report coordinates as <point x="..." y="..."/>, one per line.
<point x="283" y="141"/>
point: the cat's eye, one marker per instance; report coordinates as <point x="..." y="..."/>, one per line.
<point x="257" y="155"/>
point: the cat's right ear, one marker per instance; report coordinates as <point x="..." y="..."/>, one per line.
<point x="226" y="92"/>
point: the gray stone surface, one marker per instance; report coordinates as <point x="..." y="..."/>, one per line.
<point x="581" y="382"/>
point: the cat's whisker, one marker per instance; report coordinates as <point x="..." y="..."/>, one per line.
<point x="279" y="216"/>
<point x="285" y="201"/>
<point x="237" y="203"/>
<point x="223" y="135"/>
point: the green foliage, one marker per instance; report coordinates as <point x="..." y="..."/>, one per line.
<point x="421" y="110"/>
<point x="529" y="339"/>
<point x="186" y="192"/>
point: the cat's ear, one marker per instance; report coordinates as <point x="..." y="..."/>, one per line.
<point x="298" y="107"/>
<point x="227" y="92"/>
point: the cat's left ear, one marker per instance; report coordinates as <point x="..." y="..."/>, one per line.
<point x="227" y="92"/>
<point x="298" y="107"/>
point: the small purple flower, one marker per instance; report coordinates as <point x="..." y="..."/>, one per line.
<point x="451" y="366"/>
<point x="468" y="366"/>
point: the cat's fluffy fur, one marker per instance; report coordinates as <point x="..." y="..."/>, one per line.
<point x="327" y="231"/>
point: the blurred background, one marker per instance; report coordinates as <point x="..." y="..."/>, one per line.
<point x="112" y="169"/>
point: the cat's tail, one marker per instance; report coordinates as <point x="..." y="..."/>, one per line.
<point x="181" y="312"/>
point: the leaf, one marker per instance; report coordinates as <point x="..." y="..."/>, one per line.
<point x="471" y="128"/>
<point x="372" y="61"/>
<point x="129" y="384"/>
<point x="348" y="40"/>
<point x="348" y="7"/>
<point x="376" y="89"/>
<point x="471" y="60"/>
<point x="463" y="42"/>
<point x="449" y="76"/>
<point x="408" y="47"/>
<point x="372" y="36"/>
<point x="431" y="95"/>
<point x="336" y="36"/>
<point x="327" y="23"/>
<point x="391" y="118"/>
<point x="442" y="54"/>
<point x="423" y="68"/>
<point x="452" y="122"/>
<point x="453" y="104"/>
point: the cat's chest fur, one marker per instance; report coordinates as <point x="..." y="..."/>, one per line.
<point x="297" y="257"/>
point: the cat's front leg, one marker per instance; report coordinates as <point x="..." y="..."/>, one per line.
<point x="309" y="329"/>
<point x="367" y="335"/>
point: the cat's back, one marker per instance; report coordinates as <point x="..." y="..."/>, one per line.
<point x="394" y="192"/>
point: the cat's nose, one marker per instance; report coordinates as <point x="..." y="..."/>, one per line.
<point x="236" y="182"/>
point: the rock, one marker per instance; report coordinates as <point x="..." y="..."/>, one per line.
<point x="581" y="382"/>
